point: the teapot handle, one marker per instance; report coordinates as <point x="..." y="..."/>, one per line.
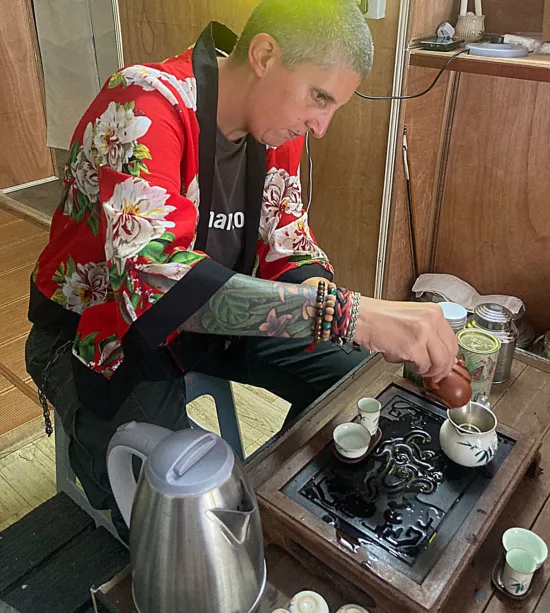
<point x="131" y="439"/>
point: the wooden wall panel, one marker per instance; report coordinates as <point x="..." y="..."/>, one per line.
<point x="506" y="16"/>
<point x="427" y="15"/>
<point x="349" y="167"/>
<point x="425" y="119"/>
<point x="153" y="30"/>
<point x="495" y="219"/>
<point x="348" y="163"/>
<point x="24" y="156"/>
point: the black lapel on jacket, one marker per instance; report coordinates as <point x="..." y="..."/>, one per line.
<point x="205" y="67"/>
<point x="255" y="180"/>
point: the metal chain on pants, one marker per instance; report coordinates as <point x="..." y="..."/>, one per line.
<point x="41" y="395"/>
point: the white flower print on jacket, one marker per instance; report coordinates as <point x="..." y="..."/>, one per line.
<point x="84" y="170"/>
<point x="193" y="193"/>
<point x="136" y="214"/>
<point x="115" y="135"/>
<point x="87" y="286"/>
<point x="282" y="195"/>
<point x="150" y="79"/>
<point x="162" y="277"/>
<point x="293" y="240"/>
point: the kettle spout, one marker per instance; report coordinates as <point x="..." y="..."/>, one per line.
<point x="234" y="524"/>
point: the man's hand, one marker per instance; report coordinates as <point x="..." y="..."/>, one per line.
<point x="412" y="331"/>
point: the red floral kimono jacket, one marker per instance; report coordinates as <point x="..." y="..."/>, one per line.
<point x="125" y="265"/>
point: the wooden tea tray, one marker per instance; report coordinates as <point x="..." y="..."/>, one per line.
<point x="318" y="546"/>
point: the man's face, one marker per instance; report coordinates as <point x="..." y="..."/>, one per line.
<point x="285" y="104"/>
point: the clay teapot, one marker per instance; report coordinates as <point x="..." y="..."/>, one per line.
<point x="455" y="390"/>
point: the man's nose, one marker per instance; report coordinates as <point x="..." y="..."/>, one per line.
<point x="319" y="124"/>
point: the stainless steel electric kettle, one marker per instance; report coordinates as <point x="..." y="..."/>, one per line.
<point x="196" y="540"/>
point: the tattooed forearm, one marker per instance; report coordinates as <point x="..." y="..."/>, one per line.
<point x="245" y="306"/>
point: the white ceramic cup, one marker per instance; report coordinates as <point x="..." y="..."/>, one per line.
<point x="352" y="440"/>
<point x="308" y="602"/>
<point x="352" y="608"/>
<point x="520" y="538"/>
<point x="280" y="611"/>
<point x="518" y="571"/>
<point x="369" y="414"/>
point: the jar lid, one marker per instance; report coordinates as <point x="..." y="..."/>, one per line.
<point x="493" y="316"/>
<point x="453" y="312"/>
<point x="478" y="341"/>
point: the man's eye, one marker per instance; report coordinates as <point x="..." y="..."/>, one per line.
<point x="320" y="97"/>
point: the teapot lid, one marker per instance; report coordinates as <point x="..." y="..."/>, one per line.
<point x="189" y="463"/>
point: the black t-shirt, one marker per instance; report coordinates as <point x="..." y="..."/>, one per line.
<point x="227" y="216"/>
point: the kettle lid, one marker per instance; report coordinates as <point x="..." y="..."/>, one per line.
<point x="189" y="463"/>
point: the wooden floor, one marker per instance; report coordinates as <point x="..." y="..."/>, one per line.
<point x="27" y="458"/>
<point x="21" y="241"/>
<point x="27" y="474"/>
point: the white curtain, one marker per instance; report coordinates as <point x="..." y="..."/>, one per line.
<point x="78" y="50"/>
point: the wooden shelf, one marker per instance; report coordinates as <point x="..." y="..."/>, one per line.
<point x="531" y="68"/>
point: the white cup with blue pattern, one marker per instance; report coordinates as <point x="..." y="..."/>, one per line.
<point x="518" y="571"/>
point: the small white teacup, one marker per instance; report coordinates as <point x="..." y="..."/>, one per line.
<point x="308" y="602"/>
<point x="520" y="538"/>
<point x="518" y="571"/>
<point x="351" y="440"/>
<point x="369" y="414"/>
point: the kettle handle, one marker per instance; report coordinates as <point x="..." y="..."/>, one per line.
<point x="131" y="439"/>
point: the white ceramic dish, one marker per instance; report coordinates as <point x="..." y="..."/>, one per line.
<point x="351" y="440"/>
<point x="352" y="608"/>
<point x="308" y="602"/>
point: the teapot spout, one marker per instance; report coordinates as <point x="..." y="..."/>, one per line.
<point x="234" y="524"/>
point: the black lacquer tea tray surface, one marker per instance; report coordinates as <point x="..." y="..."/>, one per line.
<point x="406" y="500"/>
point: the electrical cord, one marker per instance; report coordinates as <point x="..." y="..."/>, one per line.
<point x="310" y="160"/>
<point x="421" y="93"/>
<point x="310" y="174"/>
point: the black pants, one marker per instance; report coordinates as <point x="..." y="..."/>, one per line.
<point x="281" y="366"/>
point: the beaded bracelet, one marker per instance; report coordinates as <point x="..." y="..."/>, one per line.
<point x="320" y="313"/>
<point x="336" y="313"/>
<point x="350" y="333"/>
<point x="330" y="305"/>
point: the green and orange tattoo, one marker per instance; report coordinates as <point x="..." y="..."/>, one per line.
<point x="245" y="306"/>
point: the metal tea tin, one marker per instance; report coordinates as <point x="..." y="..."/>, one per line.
<point x="479" y="350"/>
<point x="499" y="321"/>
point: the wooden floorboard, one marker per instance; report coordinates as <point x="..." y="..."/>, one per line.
<point x="72" y="573"/>
<point x="27" y="544"/>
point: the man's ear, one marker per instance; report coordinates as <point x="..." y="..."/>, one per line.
<point x="263" y="53"/>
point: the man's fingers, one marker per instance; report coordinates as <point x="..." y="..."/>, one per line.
<point x="448" y="338"/>
<point x="423" y="362"/>
<point x="392" y="359"/>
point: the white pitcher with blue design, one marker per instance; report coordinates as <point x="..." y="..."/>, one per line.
<point x="468" y="436"/>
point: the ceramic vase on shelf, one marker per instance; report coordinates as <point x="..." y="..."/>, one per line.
<point x="470" y="27"/>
